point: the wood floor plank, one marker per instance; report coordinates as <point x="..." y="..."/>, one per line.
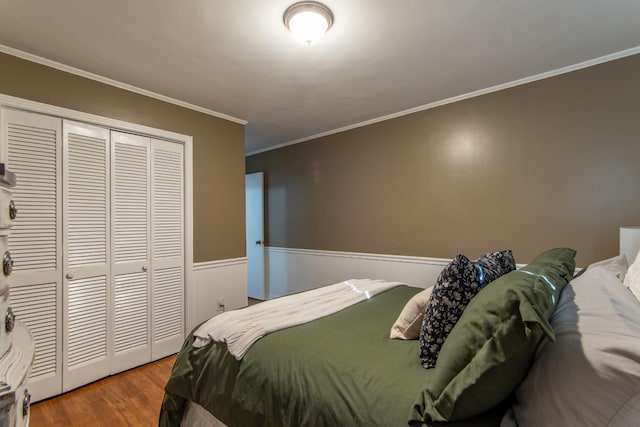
<point x="132" y="398"/>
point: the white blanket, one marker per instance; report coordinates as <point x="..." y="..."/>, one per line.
<point x="241" y="328"/>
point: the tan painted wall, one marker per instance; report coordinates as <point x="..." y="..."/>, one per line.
<point x="218" y="145"/>
<point x="550" y="163"/>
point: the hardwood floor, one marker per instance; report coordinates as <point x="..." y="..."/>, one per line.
<point x="132" y="398"/>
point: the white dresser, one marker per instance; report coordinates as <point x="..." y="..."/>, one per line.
<point x="16" y="343"/>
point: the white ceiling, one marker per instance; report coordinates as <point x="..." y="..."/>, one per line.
<point x="382" y="57"/>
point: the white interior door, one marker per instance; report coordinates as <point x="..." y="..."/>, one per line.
<point x="254" y="195"/>
<point x="131" y="228"/>
<point x="33" y="151"/>
<point x="86" y="254"/>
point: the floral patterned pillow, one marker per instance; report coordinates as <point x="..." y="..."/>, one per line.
<point x="495" y="264"/>
<point x="460" y="281"/>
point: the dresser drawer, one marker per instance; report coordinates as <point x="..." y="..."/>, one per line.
<point x="5" y="335"/>
<point x="6" y="315"/>
<point x="5" y="258"/>
<point x="15" y="407"/>
<point x="15" y="366"/>
<point x="22" y="405"/>
<point x="8" y="210"/>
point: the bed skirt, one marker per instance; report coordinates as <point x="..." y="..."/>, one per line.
<point x="196" y="416"/>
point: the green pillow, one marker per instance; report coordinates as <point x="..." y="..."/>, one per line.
<point x="490" y="349"/>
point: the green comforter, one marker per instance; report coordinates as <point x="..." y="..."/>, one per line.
<point x="341" y="370"/>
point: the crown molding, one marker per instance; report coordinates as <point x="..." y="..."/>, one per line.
<point x="96" y="77"/>
<point x="525" y="80"/>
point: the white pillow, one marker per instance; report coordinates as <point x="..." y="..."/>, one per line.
<point x="408" y="325"/>
<point x="590" y="375"/>
<point x="617" y="265"/>
<point x="632" y="278"/>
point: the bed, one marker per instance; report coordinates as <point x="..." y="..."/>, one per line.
<point x="343" y="369"/>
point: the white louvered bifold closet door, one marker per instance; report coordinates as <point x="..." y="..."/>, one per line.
<point x="131" y="227"/>
<point x="86" y="256"/>
<point x="34" y="154"/>
<point x="167" y="236"/>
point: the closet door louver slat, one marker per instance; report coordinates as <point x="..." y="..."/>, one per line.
<point x="33" y="238"/>
<point x="167" y="310"/>
<point x="37" y="306"/>
<point x="167" y="201"/>
<point x="131" y="312"/>
<point x="87" y="303"/>
<point x="86" y="196"/>
<point x="131" y="219"/>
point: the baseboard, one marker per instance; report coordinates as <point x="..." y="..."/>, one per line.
<point x="290" y="270"/>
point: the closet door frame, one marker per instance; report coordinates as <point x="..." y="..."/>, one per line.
<point x="114" y="124"/>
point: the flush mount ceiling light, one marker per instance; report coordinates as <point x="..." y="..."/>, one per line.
<point x="308" y="21"/>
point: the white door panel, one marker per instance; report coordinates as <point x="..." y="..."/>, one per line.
<point x="254" y="197"/>
<point x="32" y="149"/>
<point x="86" y="254"/>
<point x="167" y="236"/>
<point x="130" y="261"/>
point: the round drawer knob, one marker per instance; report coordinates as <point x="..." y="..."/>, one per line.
<point x="9" y="320"/>
<point x="13" y="211"/>
<point x="7" y="263"/>
<point x="26" y="404"/>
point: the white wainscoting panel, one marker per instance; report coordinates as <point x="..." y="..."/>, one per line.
<point x="295" y="270"/>
<point x="226" y="279"/>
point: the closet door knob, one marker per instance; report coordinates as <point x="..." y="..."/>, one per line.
<point x="145" y="268"/>
<point x="69" y="276"/>
<point x="13" y="211"/>
<point x="7" y="263"/>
